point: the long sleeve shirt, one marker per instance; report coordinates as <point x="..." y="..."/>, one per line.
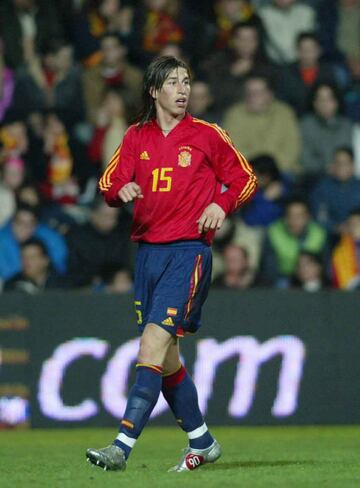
<point x="179" y="175"/>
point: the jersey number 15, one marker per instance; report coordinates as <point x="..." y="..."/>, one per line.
<point x="161" y="179"/>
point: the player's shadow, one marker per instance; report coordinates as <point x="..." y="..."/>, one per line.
<point x="258" y="464"/>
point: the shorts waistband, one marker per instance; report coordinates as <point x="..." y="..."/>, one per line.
<point x="176" y="244"/>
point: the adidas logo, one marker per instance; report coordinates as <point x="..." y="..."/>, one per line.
<point x="168" y="321"/>
<point x="144" y="156"/>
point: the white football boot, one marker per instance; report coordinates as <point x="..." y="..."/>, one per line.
<point x="194" y="458"/>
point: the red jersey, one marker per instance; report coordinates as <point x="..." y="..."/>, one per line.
<point x="180" y="175"/>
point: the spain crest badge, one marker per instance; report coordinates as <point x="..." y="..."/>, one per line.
<point x="184" y="159"/>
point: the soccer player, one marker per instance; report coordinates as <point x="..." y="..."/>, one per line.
<point x="172" y="166"/>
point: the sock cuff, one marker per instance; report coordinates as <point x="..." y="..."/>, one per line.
<point x="128" y="441"/>
<point x="153" y="367"/>
<point x="174" y="379"/>
<point x="194" y="434"/>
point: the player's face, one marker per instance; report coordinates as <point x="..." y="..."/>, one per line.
<point x="173" y="97"/>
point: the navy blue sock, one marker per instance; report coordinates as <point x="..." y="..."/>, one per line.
<point x="180" y="393"/>
<point x="142" y="399"/>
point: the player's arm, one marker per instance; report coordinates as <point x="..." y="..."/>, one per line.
<point x="233" y="170"/>
<point x="117" y="183"/>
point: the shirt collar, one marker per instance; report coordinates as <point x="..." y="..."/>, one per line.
<point x="185" y="121"/>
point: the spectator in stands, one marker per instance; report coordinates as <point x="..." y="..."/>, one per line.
<point x="100" y="243"/>
<point x="338" y="193"/>
<point x="228" y="14"/>
<point x="59" y="185"/>
<point x="23" y="20"/>
<point x="173" y="49"/>
<point x="283" y="21"/>
<point x="114" y="71"/>
<point x="7" y="204"/>
<point x="264" y="125"/>
<point x="202" y="101"/>
<point x="54" y="215"/>
<point x="160" y="22"/>
<point x="23" y="226"/>
<point x="267" y="204"/>
<point x="235" y="231"/>
<point x="37" y="274"/>
<point x="28" y="194"/>
<point x="50" y="82"/>
<point x="309" y="273"/>
<point x="116" y="279"/>
<point x="7" y="84"/>
<point x="14" y="140"/>
<point x="348" y="42"/>
<point x="323" y="129"/>
<point x="111" y="125"/>
<point x="298" y="77"/>
<point x="346" y="255"/>
<point x="96" y="17"/>
<point x="286" y="238"/>
<point x="13" y="174"/>
<point x="121" y="282"/>
<point x="348" y="33"/>
<point x="237" y="272"/>
<point x="227" y="70"/>
<point x="161" y="25"/>
<point x="15" y="146"/>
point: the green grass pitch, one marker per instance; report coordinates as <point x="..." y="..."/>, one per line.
<point x="257" y="457"/>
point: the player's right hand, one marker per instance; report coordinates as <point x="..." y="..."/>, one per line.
<point x="129" y="192"/>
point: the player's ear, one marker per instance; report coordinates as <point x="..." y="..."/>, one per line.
<point x="152" y="92"/>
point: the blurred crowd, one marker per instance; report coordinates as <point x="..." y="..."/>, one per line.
<point x="282" y="77"/>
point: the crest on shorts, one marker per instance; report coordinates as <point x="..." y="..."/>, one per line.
<point x="184" y="159"/>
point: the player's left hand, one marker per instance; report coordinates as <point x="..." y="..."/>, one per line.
<point x="212" y="218"/>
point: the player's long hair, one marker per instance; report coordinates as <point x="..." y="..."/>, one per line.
<point x="154" y="78"/>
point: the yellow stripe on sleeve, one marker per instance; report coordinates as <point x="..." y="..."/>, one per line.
<point x="243" y="162"/>
<point x="105" y="181"/>
<point x="251" y="184"/>
<point x="247" y="191"/>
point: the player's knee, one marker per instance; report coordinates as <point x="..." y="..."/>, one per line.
<point x="146" y="351"/>
<point x="150" y="351"/>
<point x="153" y="347"/>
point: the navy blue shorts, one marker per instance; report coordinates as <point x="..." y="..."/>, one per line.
<point x="171" y="284"/>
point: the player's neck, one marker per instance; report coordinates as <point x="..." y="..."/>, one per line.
<point x="167" y="121"/>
